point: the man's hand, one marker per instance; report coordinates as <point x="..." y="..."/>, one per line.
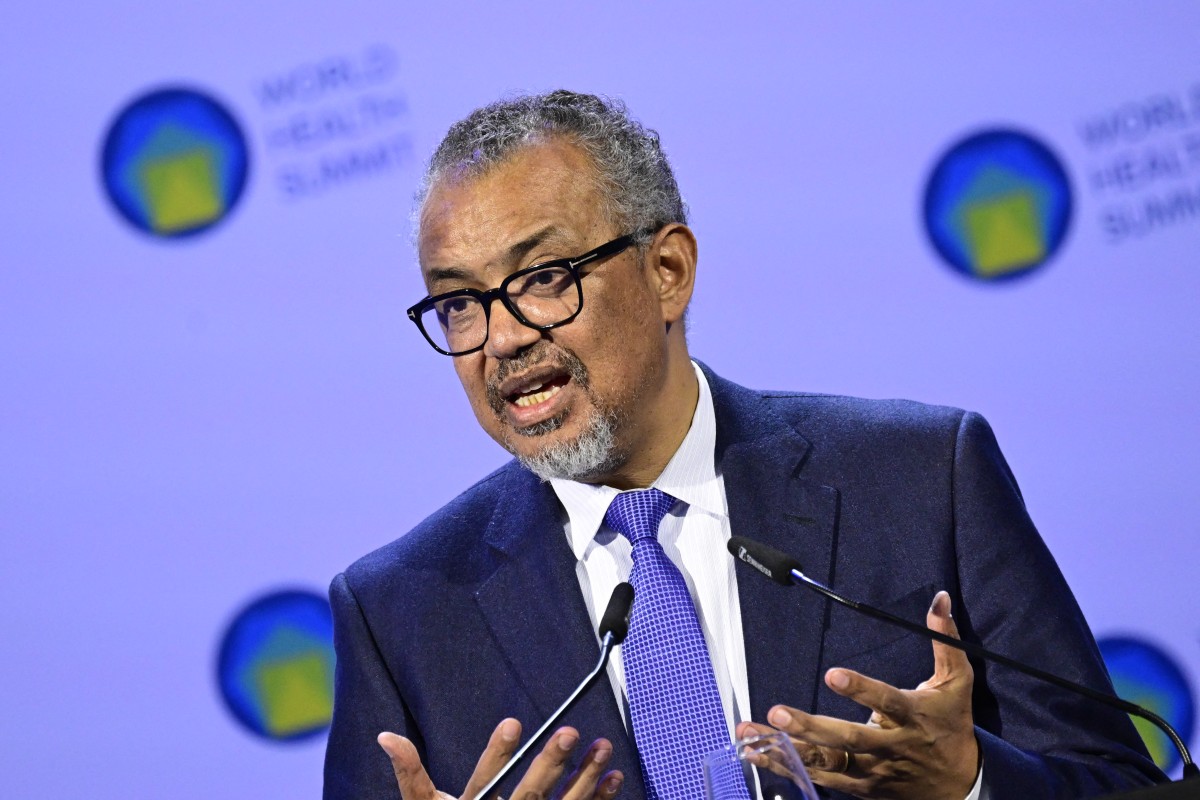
<point x="918" y="744"/>
<point x="587" y="782"/>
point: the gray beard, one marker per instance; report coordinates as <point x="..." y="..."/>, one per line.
<point x="592" y="454"/>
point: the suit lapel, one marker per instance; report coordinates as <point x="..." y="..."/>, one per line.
<point x="532" y="604"/>
<point x="761" y="458"/>
<point x="534" y="609"/>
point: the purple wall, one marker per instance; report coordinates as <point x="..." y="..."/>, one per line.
<point x="192" y="422"/>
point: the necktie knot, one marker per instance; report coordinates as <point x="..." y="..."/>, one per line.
<point x="636" y="515"/>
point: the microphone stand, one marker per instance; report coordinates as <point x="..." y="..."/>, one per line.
<point x="785" y="570"/>
<point x="613" y="628"/>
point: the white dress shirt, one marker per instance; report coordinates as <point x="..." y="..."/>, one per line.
<point x="694" y="535"/>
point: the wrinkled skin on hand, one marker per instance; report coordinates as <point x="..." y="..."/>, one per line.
<point x="543" y="779"/>
<point x="919" y="744"/>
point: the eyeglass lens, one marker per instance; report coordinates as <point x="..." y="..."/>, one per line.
<point x="543" y="297"/>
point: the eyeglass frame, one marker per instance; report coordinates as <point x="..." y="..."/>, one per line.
<point x="485" y="297"/>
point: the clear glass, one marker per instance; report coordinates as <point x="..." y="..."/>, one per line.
<point x="542" y="297"/>
<point x="458" y="323"/>
<point x="732" y="767"/>
<point x="546" y="296"/>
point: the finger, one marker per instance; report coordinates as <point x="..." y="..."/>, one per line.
<point x="500" y="747"/>
<point x="585" y="781"/>
<point x="826" y="759"/>
<point x="831" y="732"/>
<point x="411" y="776"/>
<point x="947" y="661"/>
<point x="882" y="698"/>
<point x="845" y="771"/>
<point x="609" y="785"/>
<point x="842" y="782"/>
<point x="813" y="756"/>
<point x="747" y="729"/>
<point x="546" y="769"/>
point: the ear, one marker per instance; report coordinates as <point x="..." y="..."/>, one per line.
<point x="672" y="266"/>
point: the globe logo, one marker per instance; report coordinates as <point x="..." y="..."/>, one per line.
<point x="997" y="205"/>
<point x="1143" y="674"/>
<point x="275" y="667"/>
<point x="174" y="163"/>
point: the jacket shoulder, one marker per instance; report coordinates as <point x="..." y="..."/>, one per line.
<point x="816" y="416"/>
<point x="860" y="415"/>
<point x="449" y="540"/>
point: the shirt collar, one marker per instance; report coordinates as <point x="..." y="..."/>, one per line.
<point x="690" y="476"/>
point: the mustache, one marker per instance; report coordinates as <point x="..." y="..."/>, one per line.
<point x="541" y="354"/>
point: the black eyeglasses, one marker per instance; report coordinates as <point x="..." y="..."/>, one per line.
<point x="541" y="297"/>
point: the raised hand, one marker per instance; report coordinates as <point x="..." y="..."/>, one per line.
<point x="918" y="744"/>
<point x="588" y="782"/>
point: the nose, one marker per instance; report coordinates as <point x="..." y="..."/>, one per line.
<point x="507" y="336"/>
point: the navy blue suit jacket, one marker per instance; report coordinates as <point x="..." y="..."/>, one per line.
<point x="477" y="614"/>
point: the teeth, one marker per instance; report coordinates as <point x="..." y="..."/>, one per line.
<point x="526" y="400"/>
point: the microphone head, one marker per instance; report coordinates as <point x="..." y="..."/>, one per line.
<point x="770" y="562"/>
<point x="616" y="616"/>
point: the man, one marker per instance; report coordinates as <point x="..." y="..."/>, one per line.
<point x="559" y="267"/>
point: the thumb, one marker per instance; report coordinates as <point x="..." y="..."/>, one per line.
<point x="411" y="776"/>
<point x="948" y="662"/>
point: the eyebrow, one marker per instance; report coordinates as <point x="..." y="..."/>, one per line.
<point x="518" y="251"/>
<point x="515" y="254"/>
<point x="447" y="274"/>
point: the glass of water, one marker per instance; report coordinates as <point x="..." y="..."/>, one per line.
<point x="740" y="768"/>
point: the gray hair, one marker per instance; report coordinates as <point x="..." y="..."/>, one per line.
<point x="633" y="172"/>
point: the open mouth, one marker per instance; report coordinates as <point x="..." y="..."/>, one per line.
<point x="532" y="395"/>
<point x="538" y="391"/>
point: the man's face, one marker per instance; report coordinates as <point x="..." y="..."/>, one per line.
<point x="550" y="392"/>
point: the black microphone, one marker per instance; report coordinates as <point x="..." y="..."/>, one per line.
<point x="785" y="570"/>
<point x="614" y="626"/>
<point x="615" y="621"/>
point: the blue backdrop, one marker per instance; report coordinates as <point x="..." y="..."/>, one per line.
<point x="212" y="401"/>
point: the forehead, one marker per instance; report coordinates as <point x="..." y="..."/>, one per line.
<point x="471" y="223"/>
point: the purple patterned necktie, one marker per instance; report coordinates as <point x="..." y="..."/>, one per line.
<point x="673" y="698"/>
